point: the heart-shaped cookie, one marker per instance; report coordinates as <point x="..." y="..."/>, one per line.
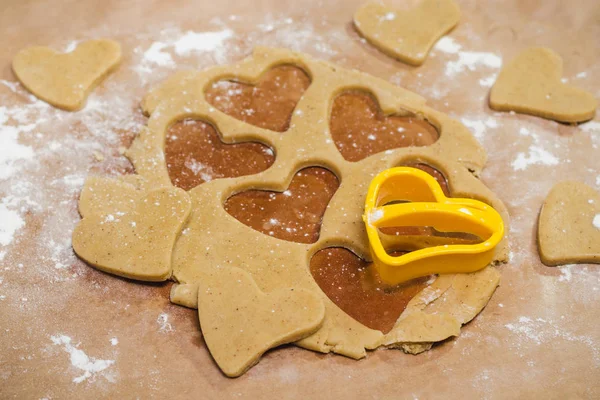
<point x="294" y="214"/>
<point x="569" y="225"/>
<point x="531" y="84"/>
<point x="239" y="322"/>
<point x="136" y="240"/>
<point x="195" y="153"/>
<point x="268" y="104"/>
<point x="406" y="35"/>
<point x="360" y="129"/>
<point x="65" y="80"/>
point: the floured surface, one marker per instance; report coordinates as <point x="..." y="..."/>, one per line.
<point x="212" y="238"/>
<point x="527" y="332"/>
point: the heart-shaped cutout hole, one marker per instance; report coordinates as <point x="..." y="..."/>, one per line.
<point x="195" y="154"/>
<point x="269" y="104"/>
<point x="295" y="214"/>
<point x="354" y="286"/>
<point x="360" y="129"/>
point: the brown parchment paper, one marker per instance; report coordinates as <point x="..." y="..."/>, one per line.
<point x="537" y="338"/>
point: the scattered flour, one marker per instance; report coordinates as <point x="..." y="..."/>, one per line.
<point x="13" y="86"/>
<point x="89" y="365"/>
<point x="591" y="126"/>
<point x="164" y="325"/>
<point x="447" y="45"/>
<point x="389" y="16"/>
<point x="11" y="151"/>
<point x="10" y="222"/>
<point x="466" y="59"/>
<point x="71" y="46"/>
<point x="596" y="221"/>
<point x="535" y="154"/>
<point x="429" y="294"/>
<point x="182" y="44"/>
<point x="199" y="50"/>
<point x="541" y="331"/>
<point x="471" y="60"/>
<point x="156" y="55"/>
<point x="203" y="41"/>
<point x="479" y="125"/>
<point x="489" y="81"/>
<point x="375" y="216"/>
<point x="566" y="273"/>
<point x="197" y="168"/>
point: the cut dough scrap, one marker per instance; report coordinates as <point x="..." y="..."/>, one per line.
<point x="135" y="238"/>
<point x="213" y="239"/>
<point x="569" y="225"/>
<point x="439" y="311"/>
<point x="531" y="84"/>
<point x="239" y="322"/>
<point x="104" y="196"/>
<point x="65" y="79"/>
<point x="407" y="35"/>
<point x="173" y="86"/>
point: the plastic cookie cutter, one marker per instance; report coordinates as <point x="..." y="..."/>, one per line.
<point x="405" y="196"/>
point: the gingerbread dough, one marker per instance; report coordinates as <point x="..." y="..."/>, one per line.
<point x="251" y="320"/>
<point x="569" y="225"/>
<point x="136" y="239"/>
<point x="213" y="241"/>
<point x="65" y="80"/>
<point x="531" y="84"/>
<point x="407" y="35"/>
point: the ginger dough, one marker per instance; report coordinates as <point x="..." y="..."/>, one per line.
<point x="531" y="84"/>
<point x="212" y="241"/>
<point x="136" y="240"/>
<point x="569" y="225"/>
<point x="407" y="35"/>
<point x="251" y="321"/>
<point x="65" y="80"/>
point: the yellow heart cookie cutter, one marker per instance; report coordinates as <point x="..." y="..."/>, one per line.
<point x="425" y="204"/>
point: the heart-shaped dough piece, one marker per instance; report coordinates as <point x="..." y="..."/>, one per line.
<point x="569" y="225"/>
<point x="65" y="79"/>
<point x="239" y="322"/>
<point x="407" y="35"/>
<point x="531" y="84"/>
<point x="135" y="240"/>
